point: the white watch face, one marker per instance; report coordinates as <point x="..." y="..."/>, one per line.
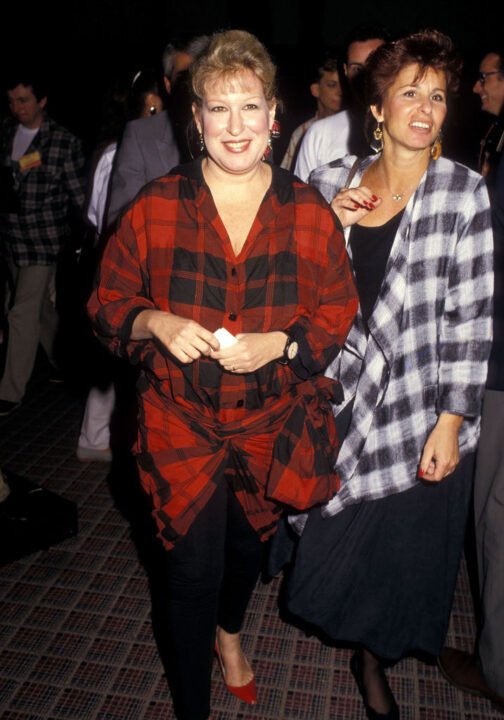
<point x="292" y="350"/>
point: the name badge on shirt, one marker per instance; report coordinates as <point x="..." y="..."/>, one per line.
<point x="27" y="162"/>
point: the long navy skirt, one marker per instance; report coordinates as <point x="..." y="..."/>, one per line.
<point x="382" y="573"/>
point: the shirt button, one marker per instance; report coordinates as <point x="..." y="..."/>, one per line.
<point x="239" y="403"/>
<point x="233" y="271"/>
<point x="232" y="316"/>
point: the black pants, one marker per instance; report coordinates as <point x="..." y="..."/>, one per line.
<point x="212" y="572"/>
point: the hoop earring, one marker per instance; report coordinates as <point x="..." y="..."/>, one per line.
<point x="201" y="143"/>
<point x="436" y="147"/>
<point x="377" y="143"/>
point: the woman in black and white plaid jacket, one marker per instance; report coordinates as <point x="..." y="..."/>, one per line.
<point x="377" y="566"/>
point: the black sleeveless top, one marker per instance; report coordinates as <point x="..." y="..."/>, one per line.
<point x="370" y="247"/>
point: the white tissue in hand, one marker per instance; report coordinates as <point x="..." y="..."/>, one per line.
<point x="225" y="338"/>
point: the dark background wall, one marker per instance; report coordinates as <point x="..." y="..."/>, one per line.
<point x="86" y="43"/>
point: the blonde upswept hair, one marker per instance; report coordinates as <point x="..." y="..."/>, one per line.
<point x="229" y="53"/>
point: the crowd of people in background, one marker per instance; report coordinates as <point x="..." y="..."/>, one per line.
<point x="407" y="323"/>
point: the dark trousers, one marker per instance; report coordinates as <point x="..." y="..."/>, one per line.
<point x="212" y="572"/>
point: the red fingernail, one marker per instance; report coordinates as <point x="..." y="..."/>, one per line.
<point x="374" y="197"/>
<point x="356" y="206"/>
<point x="365" y="202"/>
<point x="420" y="473"/>
<point x="371" y="206"/>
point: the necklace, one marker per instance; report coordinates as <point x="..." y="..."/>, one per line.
<point x="397" y="197"/>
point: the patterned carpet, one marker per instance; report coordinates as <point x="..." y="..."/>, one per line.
<point x="76" y="635"/>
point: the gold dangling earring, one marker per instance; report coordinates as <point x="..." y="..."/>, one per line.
<point x="377" y="145"/>
<point x="436" y="147"/>
<point x="201" y="143"/>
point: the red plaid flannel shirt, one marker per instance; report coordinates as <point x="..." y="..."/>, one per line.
<point x="198" y="423"/>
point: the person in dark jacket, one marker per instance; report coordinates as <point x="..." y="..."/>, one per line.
<point x="482" y="672"/>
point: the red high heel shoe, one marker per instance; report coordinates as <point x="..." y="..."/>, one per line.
<point x="247" y="693"/>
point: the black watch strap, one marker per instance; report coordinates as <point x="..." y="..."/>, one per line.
<point x="290" y="350"/>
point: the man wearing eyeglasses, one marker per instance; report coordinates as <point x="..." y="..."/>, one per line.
<point x="342" y="133"/>
<point x="490" y="87"/>
<point x="482" y="673"/>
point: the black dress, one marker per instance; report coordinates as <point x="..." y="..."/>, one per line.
<point x="381" y="573"/>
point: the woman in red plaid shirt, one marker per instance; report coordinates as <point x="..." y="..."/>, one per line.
<point x="230" y="429"/>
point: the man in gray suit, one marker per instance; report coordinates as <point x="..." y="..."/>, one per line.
<point x="149" y="147"/>
<point x="147" y="151"/>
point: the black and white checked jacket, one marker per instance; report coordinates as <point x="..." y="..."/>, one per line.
<point x="429" y="333"/>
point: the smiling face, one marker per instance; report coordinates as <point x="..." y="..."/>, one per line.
<point x="235" y="119"/>
<point x="491" y="90"/>
<point x="414" y="108"/>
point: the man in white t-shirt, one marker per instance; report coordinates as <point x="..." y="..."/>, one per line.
<point x="326" y="89"/>
<point x="330" y="138"/>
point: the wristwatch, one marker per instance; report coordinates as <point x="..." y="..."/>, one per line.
<point x="290" y="350"/>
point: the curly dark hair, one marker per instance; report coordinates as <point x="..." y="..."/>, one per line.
<point x="427" y="49"/>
